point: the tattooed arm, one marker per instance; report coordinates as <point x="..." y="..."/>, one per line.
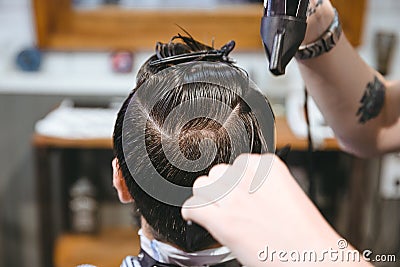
<point x="357" y="102"/>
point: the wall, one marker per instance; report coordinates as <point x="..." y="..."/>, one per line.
<point x="21" y="105"/>
<point x="382" y="15"/>
<point x="18" y="229"/>
<point x="18" y="218"/>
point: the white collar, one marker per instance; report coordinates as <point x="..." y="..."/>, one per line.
<point x="166" y="253"/>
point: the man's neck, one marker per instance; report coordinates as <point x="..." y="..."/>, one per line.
<point x="171" y="255"/>
<point x="146" y="230"/>
<point x="148" y="233"/>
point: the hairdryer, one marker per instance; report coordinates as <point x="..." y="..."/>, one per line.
<point x="283" y="28"/>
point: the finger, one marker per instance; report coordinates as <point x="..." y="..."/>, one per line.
<point x="211" y="217"/>
<point x="262" y="171"/>
<point x="212" y="189"/>
<point x="192" y="211"/>
<point x="204" y="215"/>
<point x="218" y="170"/>
<point x="253" y="170"/>
<point x="206" y="190"/>
<point x="244" y="167"/>
<point x="202" y="181"/>
<point x="222" y="179"/>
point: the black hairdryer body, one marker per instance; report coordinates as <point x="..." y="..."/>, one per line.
<point x="283" y="28"/>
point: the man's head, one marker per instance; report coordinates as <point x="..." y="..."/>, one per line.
<point x="195" y="116"/>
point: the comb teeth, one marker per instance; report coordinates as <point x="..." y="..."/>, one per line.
<point x="213" y="54"/>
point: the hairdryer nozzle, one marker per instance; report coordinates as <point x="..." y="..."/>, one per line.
<point x="282" y="33"/>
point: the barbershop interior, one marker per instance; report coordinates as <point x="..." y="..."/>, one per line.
<point x="66" y="67"/>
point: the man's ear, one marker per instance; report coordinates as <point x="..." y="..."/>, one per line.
<point x="119" y="183"/>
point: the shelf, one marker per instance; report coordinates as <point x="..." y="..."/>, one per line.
<point x="60" y="27"/>
<point x="285" y="136"/>
<point x="107" y="249"/>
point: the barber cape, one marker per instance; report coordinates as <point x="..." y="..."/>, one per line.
<point x="154" y="253"/>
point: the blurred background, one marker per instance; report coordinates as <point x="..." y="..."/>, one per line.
<point x="65" y="67"/>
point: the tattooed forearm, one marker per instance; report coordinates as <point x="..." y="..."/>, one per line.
<point x="372" y="101"/>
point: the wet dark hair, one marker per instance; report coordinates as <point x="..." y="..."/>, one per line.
<point x="165" y="220"/>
